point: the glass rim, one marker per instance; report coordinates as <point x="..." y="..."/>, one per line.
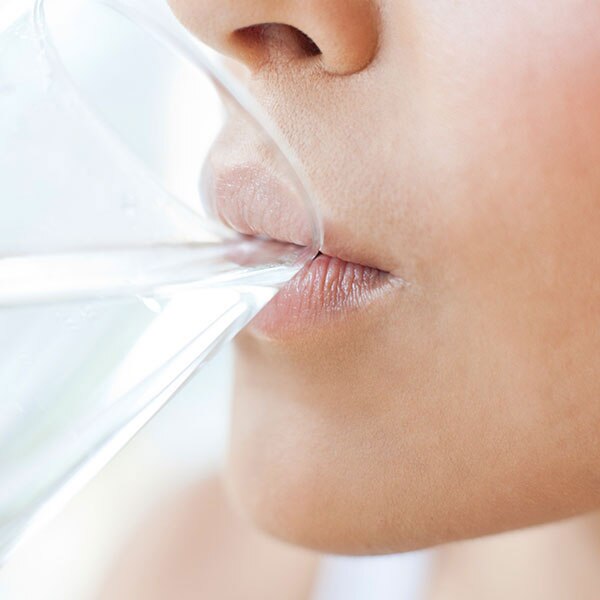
<point x="177" y="40"/>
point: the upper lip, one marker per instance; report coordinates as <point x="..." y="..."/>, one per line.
<point x="261" y="196"/>
<point x="254" y="201"/>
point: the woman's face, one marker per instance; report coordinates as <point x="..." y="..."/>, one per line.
<point x="455" y="145"/>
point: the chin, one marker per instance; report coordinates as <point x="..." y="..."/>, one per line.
<point x="386" y="432"/>
<point x="310" y="462"/>
<point x="285" y="490"/>
<point x="292" y="488"/>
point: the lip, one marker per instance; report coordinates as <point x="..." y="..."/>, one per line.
<point x="251" y="200"/>
<point x="324" y="291"/>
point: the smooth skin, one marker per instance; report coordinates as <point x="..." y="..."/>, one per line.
<point x="456" y="145"/>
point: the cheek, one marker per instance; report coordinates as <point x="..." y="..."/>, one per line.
<point x="508" y="131"/>
<point x="469" y="405"/>
<point x="508" y="106"/>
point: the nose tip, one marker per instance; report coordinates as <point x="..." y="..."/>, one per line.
<point x="343" y="34"/>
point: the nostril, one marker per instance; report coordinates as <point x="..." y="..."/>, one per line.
<point x="269" y="41"/>
<point x="332" y="37"/>
<point x="306" y="44"/>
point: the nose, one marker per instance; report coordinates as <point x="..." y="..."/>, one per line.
<point x="341" y="34"/>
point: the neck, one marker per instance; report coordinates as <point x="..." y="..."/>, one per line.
<point x="553" y="562"/>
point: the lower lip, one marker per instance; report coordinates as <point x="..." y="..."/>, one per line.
<point x="325" y="291"/>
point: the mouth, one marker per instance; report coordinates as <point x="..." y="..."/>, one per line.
<point x="322" y="293"/>
<point x="250" y="199"/>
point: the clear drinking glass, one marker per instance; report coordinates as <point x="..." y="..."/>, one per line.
<point x="116" y="282"/>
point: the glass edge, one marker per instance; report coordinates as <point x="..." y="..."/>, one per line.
<point x="177" y="39"/>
